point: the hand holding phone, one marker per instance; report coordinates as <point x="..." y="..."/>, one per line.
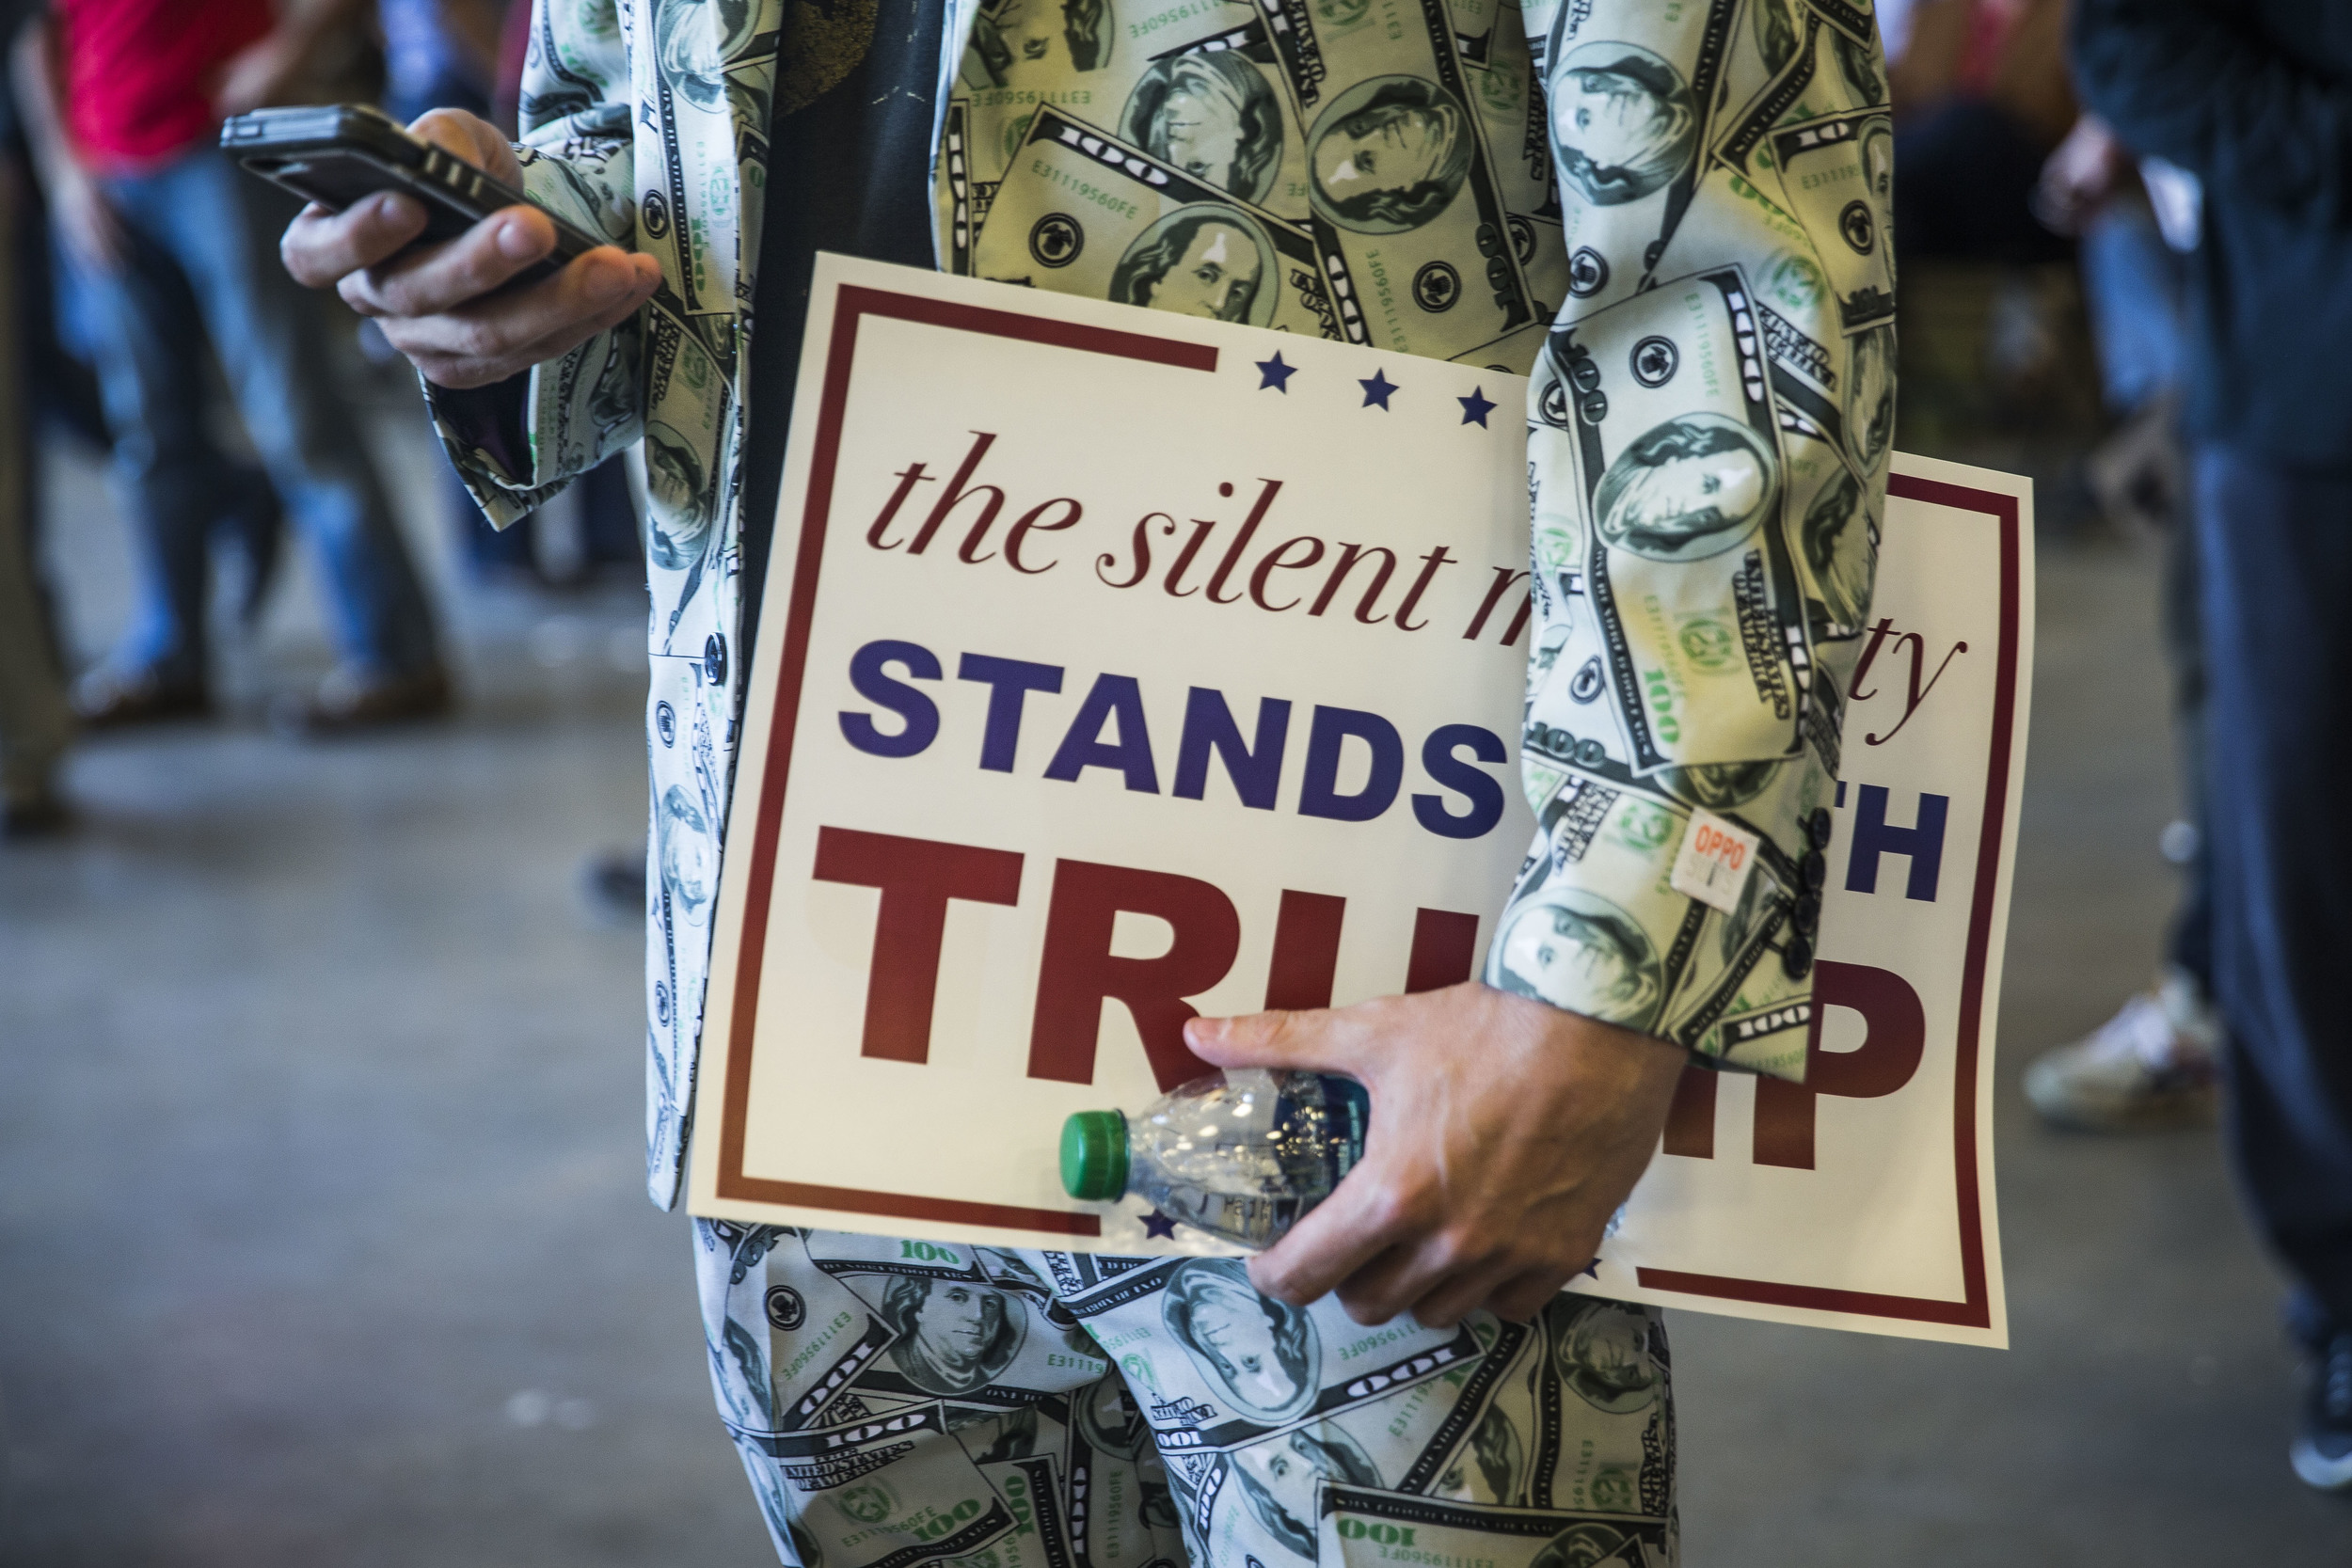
<point x="469" y="299"/>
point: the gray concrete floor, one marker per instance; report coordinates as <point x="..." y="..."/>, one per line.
<point x="322" y="1240"/>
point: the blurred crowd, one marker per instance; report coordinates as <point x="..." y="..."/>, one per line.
<point x="2007" y="179"/>
<point x="2047" y="155"/>
<point x="145" y="317"/>
<point x="2167" y="173"/>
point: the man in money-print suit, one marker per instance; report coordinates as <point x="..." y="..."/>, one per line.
<point x="1676" y="217"/>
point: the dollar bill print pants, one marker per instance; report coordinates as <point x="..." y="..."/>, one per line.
<point x="899" y="1404"/>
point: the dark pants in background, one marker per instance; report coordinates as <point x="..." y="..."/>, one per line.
<point x="1965" y="190"/>
<point x="2188" y="945"/>
<point x="2274" y="551"/>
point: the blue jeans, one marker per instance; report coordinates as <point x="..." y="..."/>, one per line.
<point x="203" y="265"/>
<point x="2275" y="547"/>
<point x="2131" y="288"/>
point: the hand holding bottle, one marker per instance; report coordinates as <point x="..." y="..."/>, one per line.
<point x="1504" y="1135"/>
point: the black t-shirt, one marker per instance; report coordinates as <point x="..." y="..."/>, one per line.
<point x="849" y="170"/>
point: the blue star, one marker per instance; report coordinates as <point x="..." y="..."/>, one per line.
<point x="1376" y="391"/>
<point x="1156" y="1222"/>
<point x="1475" y="407"/>
<point x="1273" y="372"/>
<point x="1592" y="1268"/>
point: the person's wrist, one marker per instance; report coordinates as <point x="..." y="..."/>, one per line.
<point x="1634" y="1072"/>
<point x="1583" y="1030"/>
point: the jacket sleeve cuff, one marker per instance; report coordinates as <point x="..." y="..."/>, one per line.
<point x="589" y="403"/>
<point x="1595" y="925"/>
<point x="518" y="443"/>
<point x="485" y="432"/>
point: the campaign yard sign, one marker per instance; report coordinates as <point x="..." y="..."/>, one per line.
<point x="1117" y="666"/>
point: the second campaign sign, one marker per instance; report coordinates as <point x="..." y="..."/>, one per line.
<point x="1116" y="666"/>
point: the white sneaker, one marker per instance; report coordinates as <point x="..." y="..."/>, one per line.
<point x="2154" y="1064"/>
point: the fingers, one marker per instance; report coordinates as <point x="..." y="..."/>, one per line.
<point x="492" y="339"/>
<point x="1457" y="1296"/>
<point x="439" y="305"/>
<point x="1330" y="1040"/>
<point x="1255" y="1040"/>
<point x="321" y="248"/>
<point x="1393" y="1282"/>
<point x="472" y="138"/>
<point x="443" y="278"/>
<point x="1441" y="1276"/>
<point x="97" y="242"/>
<point x="1522" y="1298"/>
<point x="1363" y="1217"/>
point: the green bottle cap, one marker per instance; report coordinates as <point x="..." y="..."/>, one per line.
<point x="1094" y="1156"/>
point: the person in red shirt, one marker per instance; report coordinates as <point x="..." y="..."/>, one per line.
<point x="123" y="103"/>
<point x="140" y="76"/>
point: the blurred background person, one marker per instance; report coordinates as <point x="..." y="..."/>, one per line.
<point x="170" y="248"/>
<point x="440" y="52"/>
<point x="35" y="723"/>
<point x="468" y="55"/>
<point x="2157" y="1063"/>
<point x="2251" y="100"/>
<point x="1995" y="346"/>
<point x="2031" y="253"/>
<point x="1980" y="98"/>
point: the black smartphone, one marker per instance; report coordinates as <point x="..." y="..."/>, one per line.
<point x="339" y="153"/>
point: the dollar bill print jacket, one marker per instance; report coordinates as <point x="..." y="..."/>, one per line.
<point x="1673" y="214"/>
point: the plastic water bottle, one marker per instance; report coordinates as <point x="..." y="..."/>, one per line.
<point x="1239" y="1154"/>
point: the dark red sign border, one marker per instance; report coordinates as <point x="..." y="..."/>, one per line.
<point x="1975" y="1309"/>
<point x="852" y="304"/>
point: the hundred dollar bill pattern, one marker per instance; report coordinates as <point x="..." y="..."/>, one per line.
<point x="1081" y="212"/>
<point x="903" y="1401"/>
<point x="1374" y="153"/>
<point x="1708" y="430"/>
<point x="1362" y="1526"/>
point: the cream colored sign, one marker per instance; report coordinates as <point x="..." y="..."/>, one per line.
<point x="1116" y="666"/>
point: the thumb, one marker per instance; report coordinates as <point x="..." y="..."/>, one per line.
<point x="1314" y="1042"/>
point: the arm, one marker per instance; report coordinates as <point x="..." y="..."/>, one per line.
<point x="578" y="159"/>
<point x="91" y="231"/>
<point x="2081" y="176"/>
<point x="1508" y="1124"/>
<point x="575" y="333"/>
<point x="2196" y="86"/>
